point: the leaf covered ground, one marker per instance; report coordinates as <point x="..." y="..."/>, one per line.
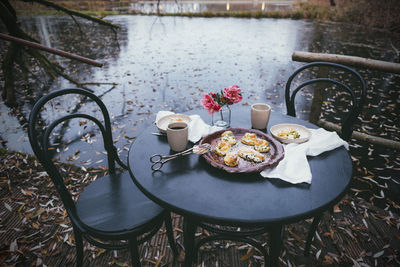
<point x="35" y="230"/>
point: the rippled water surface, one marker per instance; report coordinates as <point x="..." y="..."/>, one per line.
<point x="167" y="63"/>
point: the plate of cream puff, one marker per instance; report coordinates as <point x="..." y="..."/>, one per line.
<point x="241" y="150"/>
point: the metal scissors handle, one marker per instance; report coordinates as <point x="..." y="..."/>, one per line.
<point x="159" y="160"/>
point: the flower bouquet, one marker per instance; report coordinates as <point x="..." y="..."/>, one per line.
<point x="219" y="103"/>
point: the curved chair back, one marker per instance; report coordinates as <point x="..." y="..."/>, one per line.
<point x="39" y="140"/>
<point x="354" y="109"/>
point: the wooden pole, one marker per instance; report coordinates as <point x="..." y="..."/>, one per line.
<point x="347" y="60"/>
<point x="318" y="96"/>
<point x="50" y="50"/>
<point x="376" y="140"/>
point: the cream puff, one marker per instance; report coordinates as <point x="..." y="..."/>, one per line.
<point x="251" y="155"/>
<point x="262" y="145"/>
<point x="228" y="137"/>
<point x="222" y="148"/>
<point x="231" y="159"/>
<point x="249" y="139"/>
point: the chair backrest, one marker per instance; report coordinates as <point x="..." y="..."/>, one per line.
<point x="39" y="138"/>
<point x="357" y="102"/>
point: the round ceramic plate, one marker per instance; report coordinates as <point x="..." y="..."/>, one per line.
<point x="162" y="123"/>
<point x="272" y="157"/>
<point x="280" y="131"/>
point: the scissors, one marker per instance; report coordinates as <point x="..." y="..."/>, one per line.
<point x="159" y="160"/>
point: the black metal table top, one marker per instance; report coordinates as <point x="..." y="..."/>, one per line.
<point x="191" y="187"/>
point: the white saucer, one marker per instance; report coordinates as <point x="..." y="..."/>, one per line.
<point x="305" y="134"/>
<point x="162" y="123"/>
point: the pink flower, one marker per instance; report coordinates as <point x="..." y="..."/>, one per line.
<point x="233" y="93"/>
<point x="214" y="101"/>
<point x="209" y="103"/>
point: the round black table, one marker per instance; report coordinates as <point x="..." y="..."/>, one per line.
<point x="201" y="193"/>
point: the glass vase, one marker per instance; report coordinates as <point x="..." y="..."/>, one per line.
<point x="222" y="118"/>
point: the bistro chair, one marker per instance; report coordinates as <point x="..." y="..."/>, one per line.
<point x="335" y="77"/>
<point x="111" y="212"/>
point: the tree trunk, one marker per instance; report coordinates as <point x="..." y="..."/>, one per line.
<point x="10" y="21"/>
<point x="7" y="15"/>
<point x="10" y="8"/>
<point x="8" y="64"/>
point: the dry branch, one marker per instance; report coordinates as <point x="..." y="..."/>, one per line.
<point x="54" y="69"/>
<point x="73" y="12"/>
<point x="50" y="50"/>
<point x="347" y="60"/>
<point x="18" y="38"/>
<point x="379" y="141"/>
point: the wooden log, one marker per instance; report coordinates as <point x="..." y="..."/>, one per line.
<point x="375" y="140"/>
<point x="50" y="50"/>
<point x="347" y="60"/>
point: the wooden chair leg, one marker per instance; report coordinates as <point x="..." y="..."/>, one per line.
<point x="134" y="248"/>
<point x="311" y="233"/>
<point x="79" y="247"/>
<point x="170" y="234"/>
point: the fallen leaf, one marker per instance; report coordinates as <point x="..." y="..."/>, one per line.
<point x="14" y="246"/>
<point x="378" y="254"/>
<point x="247" y="255"/>
<point x="7" y="206"/>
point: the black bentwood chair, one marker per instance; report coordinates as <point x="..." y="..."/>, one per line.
<point x="338" y="77"/>
<point x="110" y="212"/>
<point x="276" y="231"/>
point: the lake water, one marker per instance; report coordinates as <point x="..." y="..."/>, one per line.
<point x="167" y="63"/>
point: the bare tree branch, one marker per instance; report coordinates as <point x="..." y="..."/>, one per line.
<point x="9" y="18"/>
<point x="73" y="12"/>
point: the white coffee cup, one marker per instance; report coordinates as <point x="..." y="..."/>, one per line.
<point x="260" y="113"/>
<point x="177" y="135"/>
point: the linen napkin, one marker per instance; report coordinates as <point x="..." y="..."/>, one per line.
<point x="197" y="127"/>
<point x="294" y="167"/>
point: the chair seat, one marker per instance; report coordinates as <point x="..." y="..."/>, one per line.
<point x="113" y="203"/>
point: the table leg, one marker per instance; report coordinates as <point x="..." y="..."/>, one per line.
<point x="189" y="230"/>
<point x="276" y="241"/>
<point x="311" y="233"/>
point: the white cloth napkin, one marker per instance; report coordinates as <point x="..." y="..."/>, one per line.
<point x="197" y="127"/>
<point x="294" y="167"/>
